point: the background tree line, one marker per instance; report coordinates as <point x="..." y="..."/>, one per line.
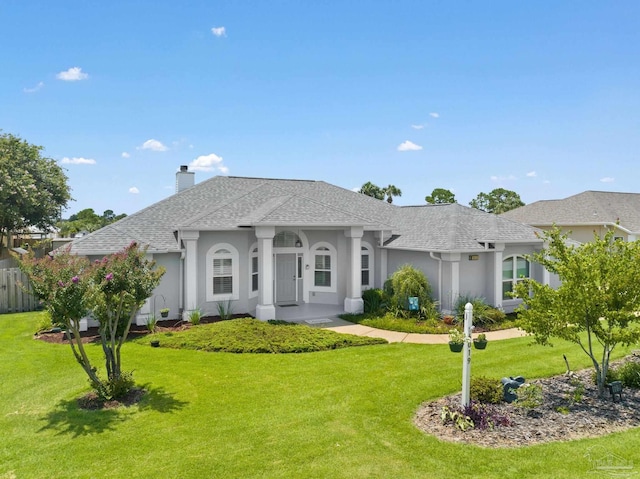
<point x="496" y="201"/>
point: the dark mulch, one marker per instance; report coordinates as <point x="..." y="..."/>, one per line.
<point x="559" y="418"/>
<point x="92" y="335"/>
<point x="91" y="401"/>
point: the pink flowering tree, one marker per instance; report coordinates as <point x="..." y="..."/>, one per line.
<point x="111" y="290"/>
<point x="121" y="283"/>
<point x="61" y="282"/>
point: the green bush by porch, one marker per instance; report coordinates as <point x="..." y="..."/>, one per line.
<point x="253" y="336"/>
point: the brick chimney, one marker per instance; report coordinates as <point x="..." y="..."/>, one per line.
<point x="184" y="178"/>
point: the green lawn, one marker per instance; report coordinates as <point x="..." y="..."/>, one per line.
<point x="332" y="414"/>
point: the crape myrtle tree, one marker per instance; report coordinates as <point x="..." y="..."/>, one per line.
<point x="597" y="303"/>
<point x="112" y="290"/>
<point x="33" y="189"/>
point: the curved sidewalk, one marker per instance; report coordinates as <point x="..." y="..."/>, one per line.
<point x="342" y="326"/>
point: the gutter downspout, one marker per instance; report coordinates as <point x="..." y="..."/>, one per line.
<point x="439" y="260"/>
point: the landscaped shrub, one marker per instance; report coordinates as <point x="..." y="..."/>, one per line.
<point x="475" y="415"/>
<point x="612" y="375"/>
<point x="405" y="283"/>
<point x="485" y="416"/>
<point x="373" y="300"/>
<point x="529" y="396"/>
<point x="629" y="374"/>
<point x="495" y="315"/>
<point x="486" y="390"/>
<point x="115" y="387"/>
<point x="483" y="314"/>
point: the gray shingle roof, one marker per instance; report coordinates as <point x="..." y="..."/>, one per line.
<point x="227" y="203"/>
<point x="454" y="227"/>
<point x="586" y="208"/>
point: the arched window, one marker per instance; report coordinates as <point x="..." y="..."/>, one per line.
<point x="222" y="273"/>
<point x="514" y="269"/>
<point x="323" y="256"/>
<point x="367" y="265"/>
<point x="287" y="239"/>
<point x="254" y="284"/>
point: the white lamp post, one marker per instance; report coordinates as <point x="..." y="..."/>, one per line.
<point x="466" y="358"/>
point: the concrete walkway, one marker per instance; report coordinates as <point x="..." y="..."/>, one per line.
<point x="342" y="326"/>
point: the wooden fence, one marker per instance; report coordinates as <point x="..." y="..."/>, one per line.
<point x="13" y="298"/>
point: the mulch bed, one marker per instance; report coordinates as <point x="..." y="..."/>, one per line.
<point x="92" y="402"/>
<point x="91" y="335"/>
<point x="557" y="419"/>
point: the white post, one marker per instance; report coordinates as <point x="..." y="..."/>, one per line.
<point x="466" y="358"/>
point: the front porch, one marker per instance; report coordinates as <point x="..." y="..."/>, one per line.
<point x="307" y="313"/>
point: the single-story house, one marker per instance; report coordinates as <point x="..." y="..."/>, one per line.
<point x="260" y="243"/>
<point x="580" y="216"/>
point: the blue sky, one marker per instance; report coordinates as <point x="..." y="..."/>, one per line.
<point x="542" y="98"/>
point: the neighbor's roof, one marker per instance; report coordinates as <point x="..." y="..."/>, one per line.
<point x="228" y="203"/>
<point x="587" y="208"/>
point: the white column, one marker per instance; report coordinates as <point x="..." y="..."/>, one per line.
<point x="353" y="302"/>
<point x="265" y="309"/>
<point x="497" y="275"/>
<point x="190" y="241"/>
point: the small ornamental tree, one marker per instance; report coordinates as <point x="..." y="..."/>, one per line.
<point x="112" y="290"/>
<point x="121" y="283"/>
<point x="599" y="295"/>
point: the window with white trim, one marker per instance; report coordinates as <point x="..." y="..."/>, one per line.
<point x="324" y="267"/>
<point x="253" y="272"/>
<point x="514" y="270"/>
<point x="222" y="272"/>
<point x="367" y="266"/>
<point x="322" y="272"/>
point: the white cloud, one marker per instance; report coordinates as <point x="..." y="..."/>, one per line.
<point x="72" y="74"/>
<point x="153" y="145"/>
<point x="134" y="190"/>
<point x="504" y="178"/>
<point x="607" y="179"/>
<point x="434" y="115"/>
<point x="408" y="146"/>
<point x="209" y="162"/>
<point x="78" y="161"/>
<point x="125" y="154"/>
<point x="219" y="31"/>
<point x="34" y="89"/>
<point x="532" y="174"/>
<point x="417" y="127"/>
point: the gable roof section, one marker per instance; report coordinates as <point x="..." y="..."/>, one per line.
<point x="586" y="208"/>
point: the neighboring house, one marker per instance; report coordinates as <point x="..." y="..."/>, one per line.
<point x="582" y="215"/>
<point x="260" y="243"/>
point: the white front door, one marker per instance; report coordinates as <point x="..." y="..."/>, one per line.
<point x="286" y="281"/>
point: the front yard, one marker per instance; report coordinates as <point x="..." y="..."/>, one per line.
<point x="330" y="414"/>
